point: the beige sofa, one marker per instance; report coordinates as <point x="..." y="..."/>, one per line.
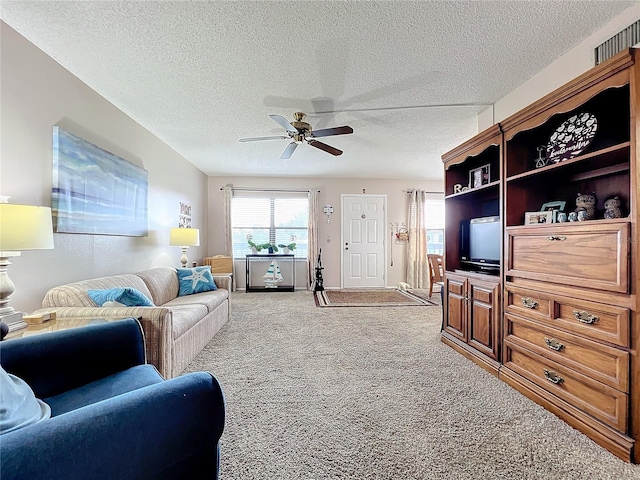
<point x="176" y="329"/>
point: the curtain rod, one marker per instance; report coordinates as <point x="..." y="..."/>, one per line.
<point x="268" y="189"/>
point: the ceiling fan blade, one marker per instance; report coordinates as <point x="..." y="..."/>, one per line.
<point x="257" y="139"/>
<point x="289" y="151"/>
<point x="325" y="132"/>
<point x="283" y="121"/>
<point x="325" y="147"/>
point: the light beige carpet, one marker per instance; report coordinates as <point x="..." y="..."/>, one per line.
<point x="372" y="393"/>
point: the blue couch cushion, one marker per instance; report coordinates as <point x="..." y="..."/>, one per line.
<point x="195" y="280"/>
<point x="122" y="382"/>
<point x="124" y="295"/>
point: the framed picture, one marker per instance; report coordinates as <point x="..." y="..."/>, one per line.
<point x="536" y="218"/>
<point x="553" y="206"/>
<point x="479" y="176"/>
<point x="96" y="192"/>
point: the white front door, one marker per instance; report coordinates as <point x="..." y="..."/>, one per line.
<point x="363" y="240"/>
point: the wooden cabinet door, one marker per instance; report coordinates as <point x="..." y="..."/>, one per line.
<point x="484" y="314"/>
<point x="456" y="299"/>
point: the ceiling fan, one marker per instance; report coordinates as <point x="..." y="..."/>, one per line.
<point x="300" y="131"/>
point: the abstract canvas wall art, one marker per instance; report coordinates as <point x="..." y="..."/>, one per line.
<point x="95" y="191"/>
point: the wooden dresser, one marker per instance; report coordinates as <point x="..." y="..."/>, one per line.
<point x="570" y="325"/>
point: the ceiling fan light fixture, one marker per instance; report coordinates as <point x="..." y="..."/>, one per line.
<point x="300" y="132"/>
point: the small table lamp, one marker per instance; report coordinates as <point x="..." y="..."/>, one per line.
<point x="184" y="238"/>
<point x="22" y="227"/>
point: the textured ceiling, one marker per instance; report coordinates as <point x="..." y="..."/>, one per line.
<point x="202" y="75"/>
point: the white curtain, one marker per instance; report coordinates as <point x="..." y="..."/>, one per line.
<point x="417" y="266"/>
<point x="228" y="238"/>
<point x="314" y="244"/>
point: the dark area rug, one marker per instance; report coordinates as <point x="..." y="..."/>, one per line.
<point x="369" y="298"/>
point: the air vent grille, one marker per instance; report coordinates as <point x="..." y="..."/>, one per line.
<point x="628" y="37"/>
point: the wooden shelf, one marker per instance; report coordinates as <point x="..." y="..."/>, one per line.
<point x="474" y="190"/>
<point x="615" y="155"/>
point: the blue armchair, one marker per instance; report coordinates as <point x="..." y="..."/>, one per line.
<point x="112" y="416"/>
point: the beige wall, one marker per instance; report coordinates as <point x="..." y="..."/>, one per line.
<point x="571" y="65"/>
<point x="37" y="93"/>
<point x="329" y="234"/>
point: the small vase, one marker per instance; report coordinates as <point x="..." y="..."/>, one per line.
<point x="270" y="249"/>
<point x="254" y="250"/>
<point x="285" y="250"/>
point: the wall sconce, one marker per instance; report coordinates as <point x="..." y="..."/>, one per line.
<point x="328" y="210"/>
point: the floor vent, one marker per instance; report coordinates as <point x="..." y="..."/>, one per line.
<point x="628" y="37"/>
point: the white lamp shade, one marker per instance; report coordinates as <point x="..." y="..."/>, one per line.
<point x="185" y="237"/>
<point x="25" y="227"/>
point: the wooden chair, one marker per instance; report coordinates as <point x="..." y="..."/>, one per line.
<point x="436" y="271"/>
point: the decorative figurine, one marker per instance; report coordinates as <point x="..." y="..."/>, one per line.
<point x="612" y="207"/>
<point x="582" y="215"/>
<point x="562" y="217"/>
<point x="542" y="160"/>
<point x="587" y="203"/>
<point x="573" y="217"/>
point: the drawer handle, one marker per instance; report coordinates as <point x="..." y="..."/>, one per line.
<point x="528" y="302"/>
<point x="553" y="377"/>
<point x="553" y="344"/>
<point x="560" y="238"/>
<point x="585" y="317"/>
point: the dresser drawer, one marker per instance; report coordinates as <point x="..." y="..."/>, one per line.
<point x="589" y="254"/>
<point x="596" y="321"/>
<point x="598" y="400"/>
<point x="606" y="364"/>
<point x="529" y="303"/>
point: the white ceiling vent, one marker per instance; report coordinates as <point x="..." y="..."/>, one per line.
<point x="628" y="37"/>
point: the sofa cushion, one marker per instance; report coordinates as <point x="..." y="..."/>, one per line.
<point x="126" y="296"/>
<point x="162" y="282"/>
<point x="122" y="382"/>
<point x="186" y="316"/>
<point x="195" y="280"/>
<point x="75" y="294"/>
<point x="19" y="406"/>
<point x="209" y="299"/>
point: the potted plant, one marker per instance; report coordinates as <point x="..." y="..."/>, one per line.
<point x="255" y="248"/>
<point x="272" y="247"/>
<point x="287" y="248"/>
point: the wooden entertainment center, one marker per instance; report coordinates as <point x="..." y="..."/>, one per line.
<point x="558" y="317"/>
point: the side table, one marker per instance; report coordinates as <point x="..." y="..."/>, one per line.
<point x="60" y="324"/>
<point x="278" y="277"/>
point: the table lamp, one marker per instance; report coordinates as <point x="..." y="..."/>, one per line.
<point x="22" y="227"/>
<point x="184" y="238"/>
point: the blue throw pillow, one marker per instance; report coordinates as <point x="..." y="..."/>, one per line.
<point x="127" y="296"/>
<point x="195" y="280"/>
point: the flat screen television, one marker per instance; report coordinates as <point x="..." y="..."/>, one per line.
<point x="481" y="242"/>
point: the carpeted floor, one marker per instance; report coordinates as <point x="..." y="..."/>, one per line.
<point x="369" y="298"/>
<point x="372" y="393"/>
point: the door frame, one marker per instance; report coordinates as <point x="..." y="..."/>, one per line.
<point x="384" y="234"/>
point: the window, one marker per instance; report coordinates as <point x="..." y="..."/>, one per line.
<point x="434" y="213"/>
<point x="269" y="217"/>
